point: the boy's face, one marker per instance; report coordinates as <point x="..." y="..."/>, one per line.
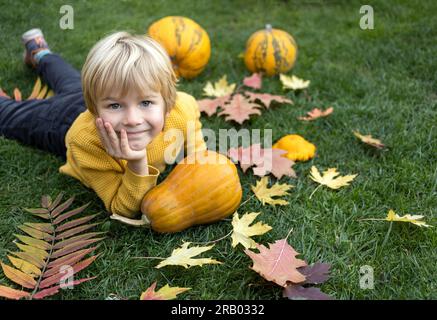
<point x="140" y="114"/>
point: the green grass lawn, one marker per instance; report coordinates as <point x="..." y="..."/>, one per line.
<point x="381" y="81"/>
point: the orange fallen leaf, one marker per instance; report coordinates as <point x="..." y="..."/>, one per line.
<point x="368" y="139"/>
<point x="317" y="113"/>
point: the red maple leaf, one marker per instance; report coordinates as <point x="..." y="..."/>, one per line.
<point x="265" y="160"/>
<point x="254" y="81"/>
<point x="274" y="162"/>
<point x="248" y="157"/>
<point x="209" y="106"/>
<point x="266" y="98"/>
<point x="298" y="292"/>
<point x="239" y="109"/>
<point x="278" y="263"/>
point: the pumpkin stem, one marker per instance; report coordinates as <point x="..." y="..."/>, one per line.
<point x="132" y="222"/>
<point x="269" y="27"/>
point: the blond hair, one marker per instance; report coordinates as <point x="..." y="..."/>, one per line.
<point x="122" y="61"/>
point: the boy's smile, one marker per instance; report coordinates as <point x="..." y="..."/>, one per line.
<point x="141" y="115"/>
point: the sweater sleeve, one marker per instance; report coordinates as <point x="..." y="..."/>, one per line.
<point x="121" y="190"/>
<point x="194" y="139"/>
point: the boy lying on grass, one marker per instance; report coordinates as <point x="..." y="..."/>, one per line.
<point x="109" y="125"/>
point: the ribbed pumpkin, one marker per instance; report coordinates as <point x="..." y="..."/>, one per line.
<point x="186" y="42"/>
<point x="270" y="51"/>
<point x="195" y="192"/>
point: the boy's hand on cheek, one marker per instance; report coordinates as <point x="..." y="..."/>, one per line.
<point x="118" y="147"/>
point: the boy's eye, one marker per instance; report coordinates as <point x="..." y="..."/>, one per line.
<point x="114" y="105"/>
<point x="146" y="103"/>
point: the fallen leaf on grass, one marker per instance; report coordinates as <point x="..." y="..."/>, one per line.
<point x="293" y="82"/>
<point x="278" y="263"/>
<point x="242" y="231"/>
<point x="316" y="274"/>
<point x="254" y="81"/>
<point x="267" y="98"/>
<point x="275" y="163"/>
<point x="265" y="160"/>
<point x="219" y="89"/>
<point x="210" y="106"/>
<point x="368" y="139"/>
<point x="317" y="113"/>
<point x="297" y="292"/>
<point x="266" y="194"/>
<point x="165" y="293"/>
<point x="329" y="178"/>
<point x="239" y="109"/>
<point x="394" y="217"/>
<point x="414" y="219"/>
<point x="183" y="256"/>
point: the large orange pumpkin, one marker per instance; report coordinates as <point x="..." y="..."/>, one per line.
<point x="270" y="51"/>
<point x="186" y="42"/>
<point x="201" y="189"/>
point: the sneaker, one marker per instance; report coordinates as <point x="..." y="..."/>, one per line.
<point x="34" y="42"/>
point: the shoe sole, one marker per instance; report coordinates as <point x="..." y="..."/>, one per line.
<point x="31" y="34"/>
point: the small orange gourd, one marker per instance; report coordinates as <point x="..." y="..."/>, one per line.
<point x="186" y="42"/>
<point x="270" y="51"/>
<point x="203" y="188"/>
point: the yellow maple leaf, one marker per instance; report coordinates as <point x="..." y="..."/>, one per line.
<point x="265" y="194"/>
<point x="242" y="231"/>
<point x="368" y="139"/>
<point x="293" y="82"/>
<point x="329" y="178"/>
<point x="165" y="293"/>
<point x="414" y="219"/>
<point x="219" y="89"/>
<point x="183" y="256"/>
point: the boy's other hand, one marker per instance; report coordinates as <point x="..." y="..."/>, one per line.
<point x="118" y="147"/>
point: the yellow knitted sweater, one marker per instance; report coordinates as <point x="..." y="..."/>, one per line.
<point x="120" y="189"/>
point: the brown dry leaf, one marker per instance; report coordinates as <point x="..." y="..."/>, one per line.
<point x="267" y="98"/>
<point x="266" y="194"/>
<point x="239" y="109"/>
<point x="368" y="139"/>
<point x="278" y="263"/>
<point x="317" y="113"/>
<point x="165" y="293"/>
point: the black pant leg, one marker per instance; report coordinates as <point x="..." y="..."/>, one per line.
<point x="59" y="74"/>
<point x="16" y="117"/>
